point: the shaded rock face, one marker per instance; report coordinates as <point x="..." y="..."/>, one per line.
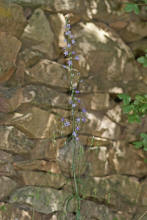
<point x="44" y="173"/>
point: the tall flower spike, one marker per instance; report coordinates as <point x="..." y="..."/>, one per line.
<point x="69" y="54"/>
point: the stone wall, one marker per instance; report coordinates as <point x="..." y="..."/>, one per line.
<point x="35" y="158"/>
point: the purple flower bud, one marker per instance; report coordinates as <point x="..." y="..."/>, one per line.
<point x="73" y="52"/>
<point x="76" y="58"/>
<point x="71" y="36"/>
<point x="83" y="119"/>
<point x="67" y="32"/>
<point x="66" y="123"/>
<point x="64" y="66"/>
<point x="73" y="105"/>
<point x="65" y="53"/>
<point x="77" y="138"/>
<point x="68" y="25"/>
<point x="69" y="62"/>
<point x="77" y="128"/>
<point x="68" y="45"/>
<point x="62" y="119"/>
<point x="83" y="110"/>
<point x="79" y="101"/>
<point x="73" y="41"/>
<point x="77" y="91"/>
<point x="74" y="134"/>
<point x="78" y="119"/>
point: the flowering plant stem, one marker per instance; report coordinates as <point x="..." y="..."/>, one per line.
<point x="69" y="55"/>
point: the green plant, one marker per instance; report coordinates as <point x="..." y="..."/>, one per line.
<point x="136" y="109"/>
<point x="3" y="208"/>
<point x="143" y="59"/>
<point x="77" y="114"/>
<point x="142" y="143"/>
<point x="134" y="6"/>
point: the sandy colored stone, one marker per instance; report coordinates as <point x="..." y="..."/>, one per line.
<point x="37" y="123"/>
<point x="44" y="179"/>
<point x="38" y="35"/>
<point x="120" y="192"/>
<point x="9" y="47"/>
<point x="13" y="140"/>
<point x="12" y="19"/>
<point x="7" y="186"/>
<point x="44" y="200"/>
<point x="50" y="73"/>
<point x="42" y="165"/>
<point x="99" y="125"/>
<point x="95" y="101"/>
<point x="104" y="59"/>
<point x="46" y="149"/>
<point x="121" y="157"/>
<point x="90" y="210"/>
<point x="72" y="153"/>
<point x="44" y="97"/>
<point x="10" y="99"/>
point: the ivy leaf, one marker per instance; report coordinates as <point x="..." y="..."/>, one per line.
<point x="131" y="7"/>
<point x="138" y="144"/>
<point x="134" y="118"/>
<point x="143" y="135"/>
<point x="141" y="59"/>
<point x="143" y="108"/>
<point x="126" y="98"/>
<point x="145" y="63"/>
<point x="139" y="98"/>
<point x="127" y="108"/>
<point x="136" y="9"/>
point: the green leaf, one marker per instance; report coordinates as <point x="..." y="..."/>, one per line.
<point x="127" y="108"/>
<point x="143" y="108"/>
<point x="145" y="63"/>
<point x="138" y="144"/>
<point x="3" y="208"/>
<point x="126" y="98"/>
<point x="143" y="135"/>
<point x="145" y="160"/>
<point x="129" y="7"/>
<point x="136" y="102"/>
<point x="145" y="148"/>
<point x="139" y="98"/>
<point x="136" y="9"/>
<point x="132" y="7"/>
<point x="141" y="59"/>
<point x="134" y="118"/>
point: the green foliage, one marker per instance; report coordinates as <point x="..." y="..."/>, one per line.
<point x="132" y="7"/>
<point x="135" y="109"/>
<point x="3" y="208"/>
<point x="143" y="59"/>
<point x="142" y="143"/>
